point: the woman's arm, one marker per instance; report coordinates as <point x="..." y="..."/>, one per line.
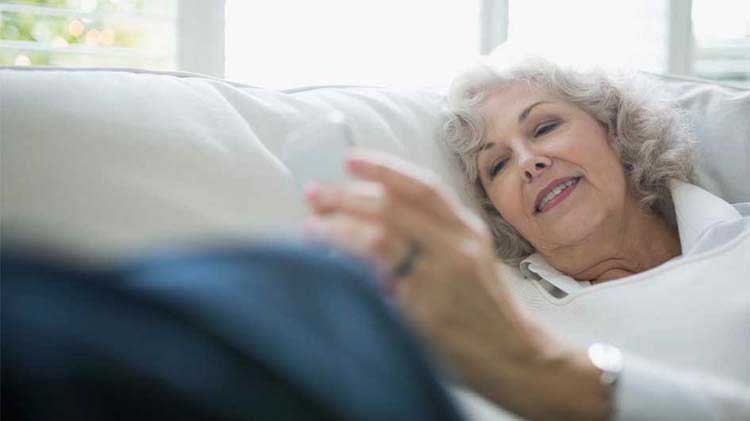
<point x="645" y="391"/>
<point x="452" y="295"/>
<point x="568" y="386"/>
<point x="544" y="379"/>
<point x="454" y="298"/>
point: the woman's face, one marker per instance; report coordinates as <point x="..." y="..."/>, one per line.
<point x="549" y="168"/>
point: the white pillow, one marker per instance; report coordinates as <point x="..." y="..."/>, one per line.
<point x="720" y="116"/>
<point x="107" y="163"/>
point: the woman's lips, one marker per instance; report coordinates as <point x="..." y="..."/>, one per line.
<point x="560" y="197"/>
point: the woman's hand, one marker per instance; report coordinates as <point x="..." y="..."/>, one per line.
<point x="452" y="292"/>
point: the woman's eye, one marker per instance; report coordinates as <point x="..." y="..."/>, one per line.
<point x="545" y="128"/>
<point x="497" y="167"/>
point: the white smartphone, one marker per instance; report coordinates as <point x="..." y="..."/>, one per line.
<point x="316" y="152"/>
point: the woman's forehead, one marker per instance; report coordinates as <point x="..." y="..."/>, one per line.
<point x="507" y="109"/>
<point x="513" y="97"/>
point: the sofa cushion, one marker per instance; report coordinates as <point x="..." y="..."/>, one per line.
<point x="106" y="163"/>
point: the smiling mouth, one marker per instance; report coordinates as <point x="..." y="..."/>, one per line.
<point x="556" y="195"/>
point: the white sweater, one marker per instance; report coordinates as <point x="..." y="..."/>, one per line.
<point x="683" y="326"/>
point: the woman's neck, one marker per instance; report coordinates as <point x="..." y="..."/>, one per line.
<point x="641" y="241"/>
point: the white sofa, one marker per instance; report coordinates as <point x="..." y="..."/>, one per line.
<point x="109" y="163"/>
<point x="106" y="164"/>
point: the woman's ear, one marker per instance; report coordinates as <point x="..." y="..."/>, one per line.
<point x="609" y="129"/>
<point x="613" y="139"/>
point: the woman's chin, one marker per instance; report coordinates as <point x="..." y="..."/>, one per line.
<point x="572" y="227"/>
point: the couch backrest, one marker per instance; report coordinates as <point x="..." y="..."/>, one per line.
<point x="108" y="163"/>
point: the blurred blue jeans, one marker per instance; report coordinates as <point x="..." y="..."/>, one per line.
<point x="265" y="331"/>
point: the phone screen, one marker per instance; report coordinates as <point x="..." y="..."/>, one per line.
<point x="316" y="152"/>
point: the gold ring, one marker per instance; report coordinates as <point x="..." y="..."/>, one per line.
<point x="406" y="265"/>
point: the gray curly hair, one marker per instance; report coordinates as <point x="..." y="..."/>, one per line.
<point x="652" y="139"/>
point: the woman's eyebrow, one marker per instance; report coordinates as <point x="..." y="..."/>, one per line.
<point x="525" y="113"/>
<point x="521" y="117"/>
<point x="485" y="147"/>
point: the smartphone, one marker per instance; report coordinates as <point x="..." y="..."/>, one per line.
<point x="316" y="152"/>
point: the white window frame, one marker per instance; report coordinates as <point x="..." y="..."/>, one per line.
<point x="493" y="24"/>
<point x="200" y="36"/>
<point x="680" y="39"/>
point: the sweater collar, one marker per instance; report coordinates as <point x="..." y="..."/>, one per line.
<point x="696" y="210"/>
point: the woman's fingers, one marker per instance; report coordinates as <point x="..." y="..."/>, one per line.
<point x="371" y="202"/>
<point x="365" y="239"/>
<point x="454" y="246"/>
<point x="405" y="204"/>
<point x="412" y="183"/>
<point x="362" y="196"/>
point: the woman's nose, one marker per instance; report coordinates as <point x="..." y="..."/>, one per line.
<point x="533" y="166"/>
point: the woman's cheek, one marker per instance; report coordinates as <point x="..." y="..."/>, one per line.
<point x="508" y="200"/>
<point x="499" y="194"/>
<point x="568" y="148"/>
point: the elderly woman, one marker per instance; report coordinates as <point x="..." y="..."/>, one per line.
<point x="584" y="181"/>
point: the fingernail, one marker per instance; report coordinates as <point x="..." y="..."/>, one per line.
<point x="354" y="164"/>
<point x="312" y="190"/>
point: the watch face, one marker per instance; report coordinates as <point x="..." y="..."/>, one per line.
<point x="607" y="358"/>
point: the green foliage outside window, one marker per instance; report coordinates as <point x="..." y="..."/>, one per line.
<point x="87" y="33"/>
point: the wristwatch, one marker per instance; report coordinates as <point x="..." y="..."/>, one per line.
<point x="608" y="359"/>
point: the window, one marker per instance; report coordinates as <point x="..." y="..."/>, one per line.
<point x="721" y="34"/>
<point x="285" y="43"/>
<point x="704" y="38"/>
<point x="630" y="33"/>
<point x="136" y="33"/>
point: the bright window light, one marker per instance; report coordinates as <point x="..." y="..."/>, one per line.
<point x="610" y="34"/>
<point x="288" y="43"/>
<point x="721" y="19"/>
<point x="721" y="31"/>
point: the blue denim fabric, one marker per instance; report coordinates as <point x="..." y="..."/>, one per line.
<point x="264" y="331"/>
